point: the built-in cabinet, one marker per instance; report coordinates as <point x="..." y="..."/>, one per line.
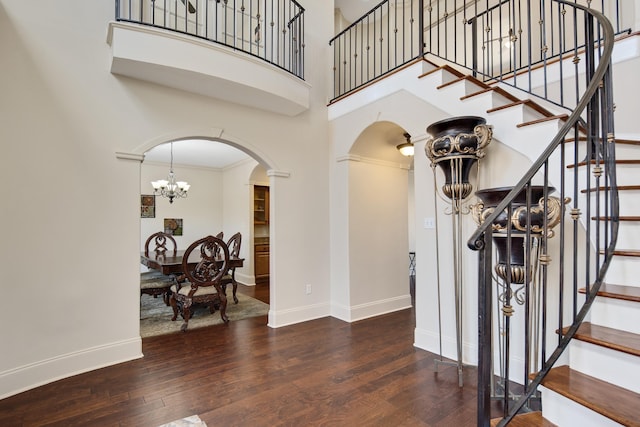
<point x="261" y="232"/>
<point x="261" y="257"/>
<point x="260" y="205"/>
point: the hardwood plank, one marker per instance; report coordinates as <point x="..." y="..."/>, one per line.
<point x="530" y="419"/>
<point x="321" y="372"/>
<point x="614" y="339"/>
<point x="613" y="402"/>
<point x="608" y="290"/>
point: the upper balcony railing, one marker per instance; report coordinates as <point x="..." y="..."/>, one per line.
<point x="497" y="40"/>
<point x="272" y="30"/>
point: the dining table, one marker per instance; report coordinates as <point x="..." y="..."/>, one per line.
<point x="172" y="264"/>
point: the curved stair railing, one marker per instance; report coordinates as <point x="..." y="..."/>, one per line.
<point x="557" y="51"/>
<point x="576" y="199"/>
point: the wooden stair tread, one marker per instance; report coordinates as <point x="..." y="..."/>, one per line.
<point x="529" y="419"/>
<point x="465" y="77"/>
<point x="494" y="89"/>
<point x="616" y="403"/>
<point x="608" y="290"/>
<point x="621" y="218"/>
<point x="617" y="140"/>
<point x="527" y="102"/>
<point x="625" y="252"/>
<point x="620" y="188"/>
<point x="618" y="162"/>
<point x="446" y="68"/>
<point x="603" y="336"/>
<point x="542" y="120"/>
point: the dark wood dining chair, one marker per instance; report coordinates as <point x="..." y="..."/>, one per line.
<point x="153" y="282"/>
<point x="230" y="278"/>
<point x="201" y="284"/>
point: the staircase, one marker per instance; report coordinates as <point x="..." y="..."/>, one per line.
<point x="602" y="380"/>
<point x="592" y="377"/>
<point x="601" y="384"/>
<point x="605" y="352"/>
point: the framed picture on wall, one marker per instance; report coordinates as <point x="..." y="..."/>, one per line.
<point x="173" y="226"/>
<point x="147" y="206"/>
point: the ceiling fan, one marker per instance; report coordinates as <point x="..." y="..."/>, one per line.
<point x="191" y="8"/>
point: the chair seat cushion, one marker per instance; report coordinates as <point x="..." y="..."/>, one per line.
<point x="151" y="274"/>
<point x="155" y="284"/>
<point x="201" y="291"/>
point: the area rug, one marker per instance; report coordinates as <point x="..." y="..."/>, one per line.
<point x="192" y="421"/>
<point x="155" y="316"/>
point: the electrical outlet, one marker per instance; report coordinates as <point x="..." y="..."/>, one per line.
<point x="429" y="223"/>
<point x="308" y="289"/>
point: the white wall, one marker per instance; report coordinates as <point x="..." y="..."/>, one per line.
<point x="378" y="238"/>
<point x="237" y="208"/>
<point x="201" y="211"/>
<point x="74" y="213"/>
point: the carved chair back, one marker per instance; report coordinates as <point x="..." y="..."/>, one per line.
<point x="162" y="243"/>
<point x="212" y="265"/>
<point x="234" y="245"/>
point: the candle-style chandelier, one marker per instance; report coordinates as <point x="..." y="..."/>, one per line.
<point x="169" y="187"/>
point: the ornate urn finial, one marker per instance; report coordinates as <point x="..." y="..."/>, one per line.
<point x="455" y="145"/>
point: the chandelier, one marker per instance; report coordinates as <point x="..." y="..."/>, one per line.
<point x="169" y="187"/>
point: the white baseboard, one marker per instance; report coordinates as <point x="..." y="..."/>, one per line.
<point x="370" y="309"/>
<point x="281" y="318"/>
<point x="39" y="373"/>
<point x="246" y="279"/>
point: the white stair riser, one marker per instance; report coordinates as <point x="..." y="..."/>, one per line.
<point x="629" y="202"/>
<point x="626" y="174"/>
<point x="564" y="412"/>
<point x="628" y="151"/>
<point x="617" y="314"/>
<point x="624" y="270"/>
<point x="606" y="364"/>
<point x="629" y="235"/>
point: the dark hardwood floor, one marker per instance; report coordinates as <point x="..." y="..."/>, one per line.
<point x="319" y="373"/>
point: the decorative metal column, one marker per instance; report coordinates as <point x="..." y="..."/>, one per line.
<point x="520" y="236"/>
<point x="455" y="145"/>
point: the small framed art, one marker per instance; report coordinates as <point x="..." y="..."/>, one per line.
<point x="173" y="226"/>
<point x="147" y="206"/>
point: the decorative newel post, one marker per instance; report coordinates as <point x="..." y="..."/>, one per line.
<point x="520" y="233"/>
<point x="455" y="145"/>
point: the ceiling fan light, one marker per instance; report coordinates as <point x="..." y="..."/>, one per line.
<point x="406" y="149"/>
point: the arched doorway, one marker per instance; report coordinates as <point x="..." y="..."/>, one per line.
<point x="219" y="200"/>
<point x="372" y="210"/>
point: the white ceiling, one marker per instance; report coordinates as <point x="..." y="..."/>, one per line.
<point x="354" y="9"/>
<point x="194" y="152"/>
